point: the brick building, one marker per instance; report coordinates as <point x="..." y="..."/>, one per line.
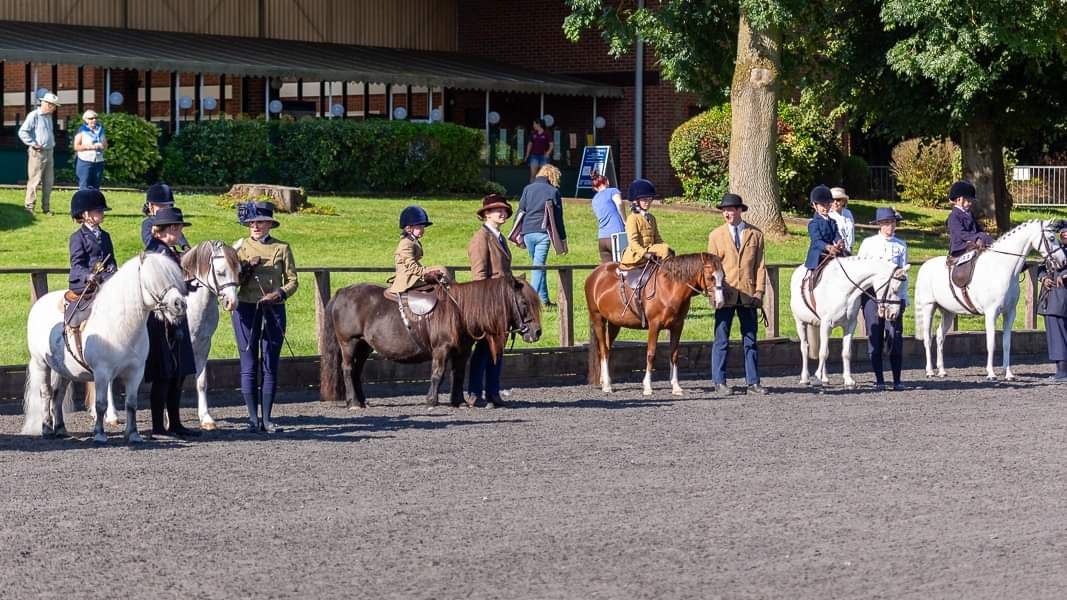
<point x="349" y="58"/>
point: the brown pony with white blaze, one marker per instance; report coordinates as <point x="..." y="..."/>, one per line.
<point x="359" y="319"/>
<point x="675" y="283"/>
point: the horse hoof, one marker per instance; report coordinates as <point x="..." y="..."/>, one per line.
<point x="208" y="425"/>
<point x="100" y="438"/>
<point x="1009" y="378"/>
<point x="134" y="438"/>
<point x="647" y="392"/>
<point x="991" y="378"/>
<point x="677" y="392"/>
<point x="356" y="407"/>
<point x="608" y="390"/>
<point x="942" y="375"/>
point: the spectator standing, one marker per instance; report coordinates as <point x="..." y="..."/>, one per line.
<point x="538" y="200"/>
<point x="38" y="133"/>
<point x="539" y="148"/>
<point x="89" y="145"/>
<point x="839" y="212"/>
<point x="607" y="206"/>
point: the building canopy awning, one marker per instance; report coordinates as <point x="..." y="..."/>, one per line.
<point x="259" y="57"/>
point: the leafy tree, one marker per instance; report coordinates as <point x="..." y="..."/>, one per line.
<point x="991" y="73"/>
<point x="715" y="48"/>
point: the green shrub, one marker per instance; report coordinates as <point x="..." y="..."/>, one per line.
<point x="328" y="155"/>
<point x="132" y="155"/>
<point x="219" y="153"/>
<point x="807" y="152"/>
<point x="925" y="170"/>
<point x="855" y="174"/>
<point x="699" y="151"/>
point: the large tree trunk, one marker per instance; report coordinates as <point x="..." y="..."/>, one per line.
<point x="754" y="128"/>
<point x="983" y="165"/>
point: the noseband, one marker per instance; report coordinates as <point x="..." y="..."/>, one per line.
<point x="159" y="304"/>
<point x="704" y="289"/>
<point x="214" y="287"/>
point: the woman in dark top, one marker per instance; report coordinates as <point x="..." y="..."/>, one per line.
<point x="170" y="349"/>
<point x="539" y="148"/>
<point x="540" y="196"/>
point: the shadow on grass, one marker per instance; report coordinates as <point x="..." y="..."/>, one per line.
<point x="13" y="216"/>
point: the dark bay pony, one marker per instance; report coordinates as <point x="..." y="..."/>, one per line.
<point x="672" y="287"/>
<point x="359" y="319"/>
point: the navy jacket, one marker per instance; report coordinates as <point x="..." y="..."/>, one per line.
<point x="146" y="234"/>
<point x="963" y="228"/>
<point x="170" y="347"/>
<point x="535" y="197"/>
<point x="85" y="251"/>
<point x="823" y="233"/>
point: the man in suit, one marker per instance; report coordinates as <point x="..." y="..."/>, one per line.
<point x="740" y="247"/>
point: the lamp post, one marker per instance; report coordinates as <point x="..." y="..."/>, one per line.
<point x="494" y="120"/>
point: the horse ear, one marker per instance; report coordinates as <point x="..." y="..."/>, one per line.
<point x="522" y="276"/>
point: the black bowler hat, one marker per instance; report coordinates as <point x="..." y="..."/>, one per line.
<point x="169" y="216"/>
<point x="886" y="213"/>
<point x="731" y="200"/>
<point x="962" y="189"/>
<point x="821" y="194"/>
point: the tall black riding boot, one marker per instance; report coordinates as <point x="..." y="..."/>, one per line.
<point x="266" y="425"/>
<point x="253" y="410"/>
<point x="174" y="415"/>
<point x="157" y="398"/>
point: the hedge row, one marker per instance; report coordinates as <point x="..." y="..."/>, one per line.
<point x="327" y="155"/>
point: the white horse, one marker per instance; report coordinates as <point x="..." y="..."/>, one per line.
<point x="836" y="302"/>
<point x="212" y="270"/>
<point x="115" y="341"/>
<point x="993" y="291"/>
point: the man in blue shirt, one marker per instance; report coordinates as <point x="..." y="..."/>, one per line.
<point x="38" y="133"/>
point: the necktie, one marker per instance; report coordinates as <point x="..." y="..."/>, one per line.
<point x="737" y="237"/>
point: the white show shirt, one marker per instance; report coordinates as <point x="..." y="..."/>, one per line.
<point x="846" y="226"/>
<point x="892" y="249"/>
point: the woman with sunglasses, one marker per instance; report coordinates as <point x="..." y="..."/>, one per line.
<point x="89" y="144"/>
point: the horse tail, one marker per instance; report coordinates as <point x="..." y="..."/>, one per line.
<point x="34" y="402"/>
<point x="920" y="322"/>
<point x="330" y="362"/>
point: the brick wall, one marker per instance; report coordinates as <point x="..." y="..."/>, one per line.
<point x="509" y="32"/>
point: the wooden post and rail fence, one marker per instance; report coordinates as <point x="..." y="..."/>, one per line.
<point x="772" y="300"/>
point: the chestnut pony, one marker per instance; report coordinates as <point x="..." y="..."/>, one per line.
<point x="359" y="319"/>
<point x="675" y="283"/>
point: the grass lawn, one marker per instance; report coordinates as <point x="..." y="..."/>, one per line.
<point x="364" y="233"/>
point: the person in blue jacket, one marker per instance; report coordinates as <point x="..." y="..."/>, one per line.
<point x="825" y="239"/>
<point x="964" y="231"/>
<point x="92" y="256"/>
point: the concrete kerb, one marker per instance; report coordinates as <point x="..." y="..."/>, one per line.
<point x="568" y="366"/>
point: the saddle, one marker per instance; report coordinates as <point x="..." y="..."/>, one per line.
<point x="632" y="284"/>
<point x="418" y="302"/>
<point x="962" y="267"/>
<point x="811" y="280"/>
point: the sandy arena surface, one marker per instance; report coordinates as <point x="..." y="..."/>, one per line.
<point x="955" y="489"/>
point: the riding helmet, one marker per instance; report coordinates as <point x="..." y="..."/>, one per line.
<point x="641" y="188"/>
<point x="821" y="194"/>
<point x="962" y="189"/>
<point x="414" y="215"/>
<point x="160" y="193"/>
<point x="87" y="199"/>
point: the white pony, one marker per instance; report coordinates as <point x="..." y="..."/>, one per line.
<point x="115" y="343"/>
<point x="836" y="302"/>
<point x="993" y="291"/>
<point x="212" y="270"/>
